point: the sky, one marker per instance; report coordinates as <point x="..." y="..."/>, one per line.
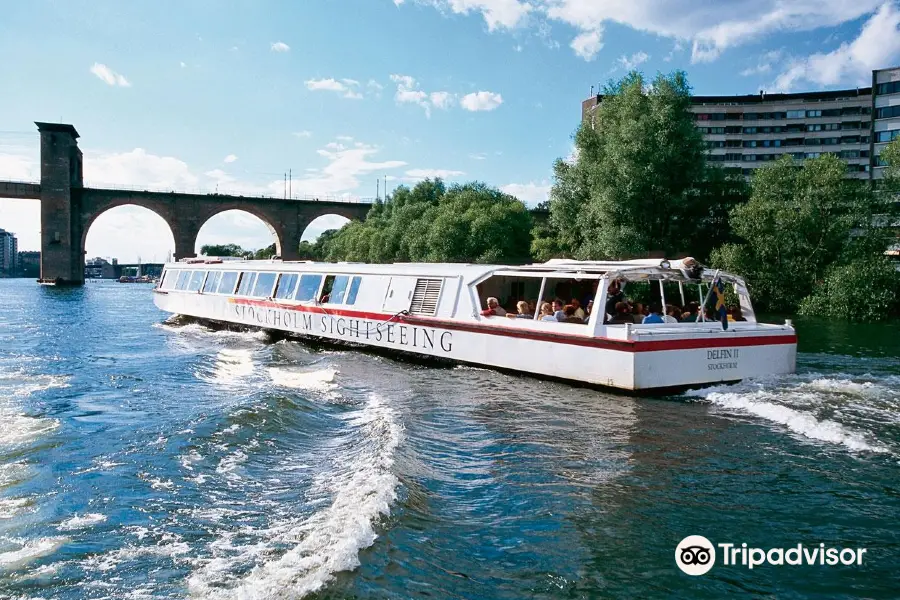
<point x="228" y="95"/>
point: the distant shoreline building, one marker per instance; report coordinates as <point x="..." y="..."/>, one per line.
<point x="30" y="263"/>
<point x="9" y="254"/>
<point x="743" y="133"/>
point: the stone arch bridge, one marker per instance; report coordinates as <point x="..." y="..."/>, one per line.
<point x="68" y="209"/>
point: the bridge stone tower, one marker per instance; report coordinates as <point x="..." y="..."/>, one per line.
<point x="62" y="258"/>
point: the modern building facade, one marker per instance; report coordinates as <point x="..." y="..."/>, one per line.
<point x="9" y="254"/>
<point x="745" y="132"/>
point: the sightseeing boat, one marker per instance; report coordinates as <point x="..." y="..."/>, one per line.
<point x="438" y="310"/>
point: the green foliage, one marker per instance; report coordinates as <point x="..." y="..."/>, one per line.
<point x="639" y="182"/>
<point x="264" y="253"/>
<point x="430" y="223"/>
<point x="797" y="223"/>
<point x="222" y="250"/>
<point x="864" y="290"/>
<point x="890" y="154"/>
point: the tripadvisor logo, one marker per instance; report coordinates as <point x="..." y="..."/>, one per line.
<point x="696" y="555"/>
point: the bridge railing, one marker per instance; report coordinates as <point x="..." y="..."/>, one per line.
<point x="348" y="198"/>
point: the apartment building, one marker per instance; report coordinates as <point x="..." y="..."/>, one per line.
<point x="9" y="254"/>
<point x="743" y="133"/>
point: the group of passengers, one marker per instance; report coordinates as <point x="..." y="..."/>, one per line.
<point x="549" y="311"/>
<point x="620" y="310"/>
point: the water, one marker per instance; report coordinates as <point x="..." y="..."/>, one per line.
<point x="140" y="459"/>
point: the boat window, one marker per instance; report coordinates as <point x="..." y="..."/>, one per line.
<point x="229" y="279"/>
<point x="309" y="286"/>
<point x="212" y="282"/>
<point x="425" y="297"/>
<point x="183" y="278"/>
<point x="335" y="289"/>
<point x="509" y="290"/>
<point x="170" y="278"/>
<point x="353" y="291"/>
<point x="196" y="281"/>
<point x="286" y="284"/>
<point x="264" y="284"/>
<point x="246" y="284"/>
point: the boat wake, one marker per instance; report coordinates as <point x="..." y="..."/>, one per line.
<point x="855" y="412"/>
<point x="294" y="556"/>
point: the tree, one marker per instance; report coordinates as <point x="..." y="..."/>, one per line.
<point x="864" y="290"/>
<point x="265" y="253"/>
<point x="222" y="250"/>
<point x="430" y="223"/>
<point x="796" y="225"/>
<point x="635" y="184"/>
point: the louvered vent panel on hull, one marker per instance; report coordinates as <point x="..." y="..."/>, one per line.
<point x="425" y="297"/>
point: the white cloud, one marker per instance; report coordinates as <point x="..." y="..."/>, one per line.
<point x="109" y="76"/>
<point x="877" y="45"/>
<point x="710" y="27"/>
<point x="230" y="158"/>
<point x="635" y="60"/>
<point x="346" y="87"/>
<point x="323" y="223"/>
<point x="530" y="193"/>
<point x="481" y="101"/>
<point x="588" y="43"/>
<point x="302" y="134"/>
<point x="442" y="100"/>
<point x="478" y="156"/>
<point x="419" y="174"/>
<point x="138" y="168"/>
<point x="280" y="47"/>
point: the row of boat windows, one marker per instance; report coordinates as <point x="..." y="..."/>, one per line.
<point x="333" y="289"/>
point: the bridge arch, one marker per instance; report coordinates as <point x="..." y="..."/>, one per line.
<point x="123" y="234"/>
<point x="321" y="224"/>
<point x="258" y="222"/>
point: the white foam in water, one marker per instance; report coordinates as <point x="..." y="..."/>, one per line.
<point x="28" y="551"/>
<point x="357" y="489"/>
<point x="81" y="522"/>
<point x="10" y="507"/>
<point x="769" y="404"/>
<point x="233" y="365"/>
<point x="316" y="381"/>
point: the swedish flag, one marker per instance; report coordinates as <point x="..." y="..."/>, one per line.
<point x="719" y="289"/>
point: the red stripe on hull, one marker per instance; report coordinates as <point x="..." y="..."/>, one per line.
<point x="541" y="336"/>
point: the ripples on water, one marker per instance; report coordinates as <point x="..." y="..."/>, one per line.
<point x="140" y="459"/>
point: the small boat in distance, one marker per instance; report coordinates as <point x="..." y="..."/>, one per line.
<point x="439" y="310"/>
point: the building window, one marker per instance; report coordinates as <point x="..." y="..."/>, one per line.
<point x="814" y="113"/>
<point x="813" y="154"/>
<point x="888" y="88"/>
<point x="850" y="110"/>
<point x="850" y="125"/>
<point x="733" y="157"/>
<point x="887" y="136"/>
<point x="888" y="112"/>
<point x="865" y="110"/>
<point x="732" y="143"/>
<point x="863" y="139"/>
<point x="733" y="129"/>
<point x="831" y="112"/>
<point x="750" y="116"/>
<point x="749" y="129"/>
<point x="814" y="128"/>
<point x="750" y="144"/>
<point x="796" y="114"/>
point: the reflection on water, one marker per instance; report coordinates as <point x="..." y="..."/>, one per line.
<point x="148" y="458"/>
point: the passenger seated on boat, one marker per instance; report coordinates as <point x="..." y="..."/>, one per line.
<point x="521" y="311"/>
<point x="579" y="312"/>
<point x="735" y="314"/>
<point x="547" y="312"/>
<point x="623" y="314"/>
<point x="638" y="313"/>
<point x="654" y="317"/>
<point x="571" y="317"/>
<point x="588" y="309"/>
<point x="493" y="309"/>
<point x="558" y="311"/>
<point x="614" y="295"/>
<point x="672" y="314"/>
<point x="690" y="313"/>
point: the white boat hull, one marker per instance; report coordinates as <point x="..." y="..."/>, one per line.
<point x="652" y="358"/>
